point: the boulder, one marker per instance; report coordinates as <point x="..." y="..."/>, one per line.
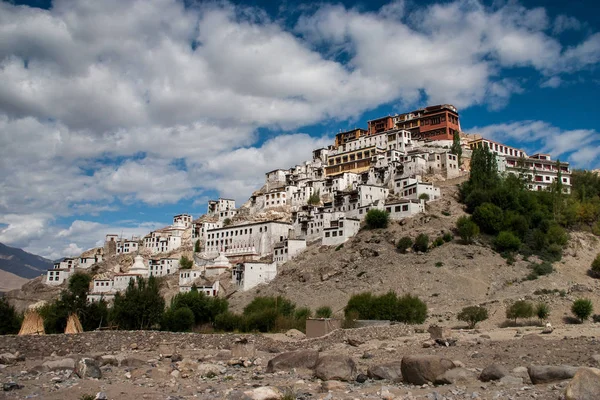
<point x="293" y="359"/>
<point x="585" y="385"/>
<point x="550" y="373"/>
<point x="510" y="380"/>
<point x="391" y="371"/>
<point x="335" y="367"/>
<point x="595" y="360"/>
<point x="88" y="368"/>
<point x="131" y="362"/>
<point x="333" y="386"/>
<point x="8" y="358"/>
<point x="419" y="370"/>
<point x="455" y="376"/>
<point x="108" y="359"/>
<point x="493" y="372"/>
<point x="64" y="363"/>
<point x="264" y="393"/>
<point x="209" y="370"/>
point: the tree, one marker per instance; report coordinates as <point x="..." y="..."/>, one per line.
<point x="204" y="308"/>
<point x="197" y="246"/>
<point x="185" y="263"/>
<point x="404" y="244"/>
<point x="10" y="321"/>
<point x="519" y="309"/>
<point x="489" y="218"/>
<point x="424" y="196"/>
<point x="456" y="148"/>
<point x="467" y="229"/>
<point x="140" y="307"/>
<point x="484" y="169"/>
<point x="472" y="315"/>
<point x="582" y="309"/>
<point x="178" y="320"/>
<point x="542" y="311"/>
<point x="421" y="243"/>
<point x="315" y="198"/>
<point x="595" y="268"/>
<point x="376" y="219"/>
<point x="411" y="310"/>
<point x="506" y="241"/>
<point x="323" y="312"/>
<point x="227" y="222"/>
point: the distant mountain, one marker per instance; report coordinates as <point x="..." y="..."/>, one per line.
<point x="22" y="263"/>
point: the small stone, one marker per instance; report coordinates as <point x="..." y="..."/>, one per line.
<point x="101" y="396"/>
<point x="361" y="378"/>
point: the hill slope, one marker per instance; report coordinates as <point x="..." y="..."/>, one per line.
<point x="22" y="263"/>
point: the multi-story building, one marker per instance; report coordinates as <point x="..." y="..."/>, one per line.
<point x="163" y="266"/>
<point x="439" y="122"/>
<point x="495" y="147"/>
<point x="287" y="250"/>
<point x="340" y="230"/>
<point x="538" y="170"/>
<point x="61" y="271"/>
<point x="249" y="274"/>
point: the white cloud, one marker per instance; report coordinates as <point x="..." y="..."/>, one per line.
<point x="565" y="22"/>
<point x="552" y="82"/>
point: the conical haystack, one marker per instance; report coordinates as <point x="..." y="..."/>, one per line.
<point x="33" y="324"/>
<point x="73" y="324"/>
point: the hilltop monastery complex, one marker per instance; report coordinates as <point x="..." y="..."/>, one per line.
<point x="392" y="166"/>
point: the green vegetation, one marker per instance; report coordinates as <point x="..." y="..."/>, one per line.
<point x="447" y="237"/>
<point x="227" y="222"/>
<point x="185" y="263"/>
<point x="10" y="320"/>
<point x="507" y="242"/>
<point x="324" y="312"/>
<point x="197" y="246"/>
<point x="203" y="309"/>
<point x="438" y="241"/>
<point x="519" y="309"/>
<point x="140" y="307"/>
<point x="472" y="315"/>
<point x="595" y="267"/>
<point x="377" y="219"/>
<point x="409" y="309"/>
<point x="315" y="198"/>
<point x="439" y="264"/>
<point x="467" y="229"/>
<point x="537" y="270"/>
<point x="456" y="148"/>
<point x="424" y="196"/>
<point x="404" y="244"/>
<point x="582" y="309"/>
<point x="421" y="243"/>
<point x="542" y="311"/>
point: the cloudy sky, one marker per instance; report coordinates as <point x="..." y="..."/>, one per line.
<point x="116" y="115"/>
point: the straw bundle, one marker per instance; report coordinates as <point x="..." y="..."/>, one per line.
<point x="33" y="324"/>
<point x="73" y="324"/>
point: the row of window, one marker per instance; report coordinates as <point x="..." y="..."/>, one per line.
<point x="334" y="234"/>
<point x="404" y="207"/>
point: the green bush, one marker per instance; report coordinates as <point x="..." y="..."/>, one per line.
<point x="421" y="243"/>
<point x="596" y="318"/>
<point x="204" y="308"/>
<point x="519" y="309"/>
<point x="10" y="321"/>
<point x="507" y="241"/>
<point x="424" y="196"/>
<point x="472" y="315"/>
<point x="140" y="307"/>
<point x="447" y="237"/>
<point x="411" y="310"/>
<point x="303" y="313"/>
<point x="197" y="246"/>
<point x="595" y="267"/>
<point x="467" y="229"/>
<point x="542" y="311"/>
<point x="489" y="217"/>
<point x="408" y="309"/>
<point x="323" y="312"/>
<point x="438" y="241"/>
<point x="376" y="219"/>
<point x="360" y="304"/>
<point x="282" y="305"/>
<point x="404" y="244"/>
<point x="230" y="322"/>
<point x="544" y="268"/>
<point x="178" y="320"/>
<point x="582" y="309"/>
<point x="185" y="263"/>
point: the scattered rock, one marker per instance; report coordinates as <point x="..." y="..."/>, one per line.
<point x="455" y="376"/>
<point x="419" y="370"/>
<point x="208" y="370"/>
<point x="7" y="358"/>
<point x="332" y="386"/>
<point x="293" y="359"/>
<point x="264" y="393"/>
<point x="361" y="378"/>
<point x="585" y="385"/>
<point x="107" y="360"/>
<point x="493" y="372"/>
<point x="550" y="373"/>
<point x="88" y="368"/>
<point x="55" y="365"/>
<point x="510" y="380"/>
<point x="101" y="396"/>
<point x="10" y="386"/>
<point x="176" y="357"/>
<point x="391" y="371"/>
<point x="335" y="367"/>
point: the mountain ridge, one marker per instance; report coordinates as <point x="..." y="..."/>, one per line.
<point x="21" y="263"/>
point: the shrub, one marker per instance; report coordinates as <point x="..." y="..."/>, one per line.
<point x="185" y="263"/>
<point x="411" y="310"/>
<point x="404" y="244"/>
<point x="507" y="241"/>
<point x="439" y="264"/>
<point x="140" y="307"/>
<point x="472" y="315"/>
<point x="424" y="196"/>
<point x="489" y="218"/>
<point x="230" y="322"/>
<point x="197" y="246"/>
<point x="447" y="237"/>
<point x="323" y="312"/>
<point x="421" y="243"/>
<point x="303" y="313"/>
<point x="408" y="309"/>
<point x="339" y="247"/>
<point x="467" y="229"/>
<point x="204" y="308"/>
<point x="377" y="219"/>
<point x="261" y="303"/>
<point x="227" y="222"/>
<point x="596" y="318"/>
<point x="595" y="267"/>
<point x="582" y="309"/>
<point x="178" y="320"/>
<point x="10" y="321"/>
<point x="519" y="309"/>
<point x="438" y="241"/>
<point x="544" y="268"/>
<point x="542" y="311"/>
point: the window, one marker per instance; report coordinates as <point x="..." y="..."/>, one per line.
<point x="397" y="209"/>
<point x="334" y="233"/>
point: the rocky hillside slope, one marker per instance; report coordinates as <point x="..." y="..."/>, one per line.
<point x="21" y="263"/>
<point x="447" y="278"/>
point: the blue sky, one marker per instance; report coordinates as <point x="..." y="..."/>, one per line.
<point x="116" y="115"/>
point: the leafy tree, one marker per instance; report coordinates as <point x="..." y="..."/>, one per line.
<point x="582" y="309"/>
<point x="303" y="313"/>
<point x="197" y="246"/>
<point x="204" y="308"/>
<point x="323" y="312"/>
<point x="467" y="229"/>
<point x="185" y="263"/>
<point x="519" y="309"/>
<point x="178" y="320"/>
<point x="421" y="243"/>
<point x="411" y="310"/>
<point x="424" y="196"/>
<point x="456" y="148"/>
<point x="542" y="311"/>
<point x="359" y="304"/>
<point x="315" y="198"/>
<point x="280" y="304"/>
<point x="227" y="222"/>
<point x="484" y="168"/>
<point x="404" y="244"/>
<point x="595" y="267"/>
<point x="10" y="320"/>
<point x="472" y="315"/>
<point x="140" y="307"/>
<point x="489" y="217"/>
<point x="506" y="241"/>
<point x="376" y="219"/>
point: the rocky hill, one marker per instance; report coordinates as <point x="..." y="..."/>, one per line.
<point x="447" y="278"/>
<point x="21" y="263"/>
